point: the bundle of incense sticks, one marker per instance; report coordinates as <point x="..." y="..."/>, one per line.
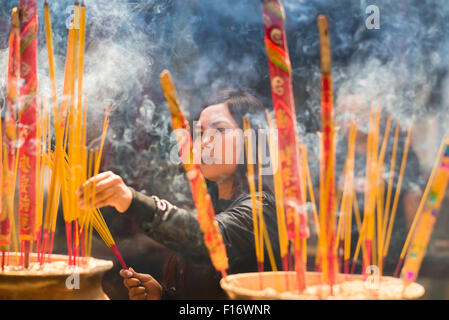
<point x="384" y="217"/>
<point x="257" y="225"/>
<point x="62" y="129"/>
<point x="201" y="198"/>
<point x="260" y="231"/>
<point x="391" y="215"/>
<point x="288" y="141"/>
<point x="344" y="229"/>
<point x="280" y="213"/>
<point x="378" y="220"/>
<point x="68" y="165"/>
<point x="53" y="199"/>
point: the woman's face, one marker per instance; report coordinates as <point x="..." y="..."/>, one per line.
<point x="219" y="142"/>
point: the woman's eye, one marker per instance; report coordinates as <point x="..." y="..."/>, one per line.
<point x="221" y="129"/>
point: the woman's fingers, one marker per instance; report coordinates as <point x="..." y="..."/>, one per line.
<point x="135" y="291"/>
<point x="110" y="190"/>
<point x="143" y="277"/>
<point x="153" y="288"/>
<point x="141" y="286"/>
<point x="142" y="296"/>
<point x="131" y="282"/>
<point x="106" y="197"/>
<point x="120" y="198"/>
<point x="107" y="183"/>
<point x="103" y="198"/>
<point x="96" y="179"/>
<point x="108" y="201"/>
<point x="126" y="273"/>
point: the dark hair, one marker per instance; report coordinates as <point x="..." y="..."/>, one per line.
<point x="240" y="103"/>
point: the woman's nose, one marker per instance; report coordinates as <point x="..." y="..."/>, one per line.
<point x="206" y="140"/>
<point x="201" y="143"/>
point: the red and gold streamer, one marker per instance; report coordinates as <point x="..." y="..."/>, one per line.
<point x="10" y="132"/>
<point x="27" y="123"/>
<point x="201" y="197"/>
<point x="288" y="143"/>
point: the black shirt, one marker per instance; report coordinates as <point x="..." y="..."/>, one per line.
<point x="189" y="274"/>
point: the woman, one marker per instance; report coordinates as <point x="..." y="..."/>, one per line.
<point x="193" y="275"/>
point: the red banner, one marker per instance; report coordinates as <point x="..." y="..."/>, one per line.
<point x="10" y="130"/>
<point x="284" y="108"/>
<point x="288" y="141"/>
<point x="203" y="202"/>
<point x="27" y="120"/>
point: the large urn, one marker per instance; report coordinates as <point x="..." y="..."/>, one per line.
<point x="54" y="280"/>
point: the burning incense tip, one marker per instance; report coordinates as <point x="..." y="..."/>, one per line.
<point x="323" y="27"/>
<point x="322" y="20"/>
<point x="170" y="92"/>
<point x="15" y="17"/>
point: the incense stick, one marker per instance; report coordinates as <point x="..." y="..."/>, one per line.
<point x="328" y="211"/>
<point x="49" y="41"/>
<point x="280" y="213"/>
<point x="264" y="233"/>
<point x="398" y="189"/>
<point x="427" y="221"/>
<point x="421" y="206"/>
<point x="205" y="211"/>
<point x="390" y="182"/>
<point x="252" y="188"/>
<point x="350" y="195"/>
<point x="380" y="196"/>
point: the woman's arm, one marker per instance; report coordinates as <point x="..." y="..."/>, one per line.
<point x="178" y="229"/>
<point x="173" y="227"/>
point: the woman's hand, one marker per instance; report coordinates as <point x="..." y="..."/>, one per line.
<point x="141" y="286"/>
<point x="110" y="190"/>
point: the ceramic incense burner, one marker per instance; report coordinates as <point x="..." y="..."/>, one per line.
<point x="54" y="280"/>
